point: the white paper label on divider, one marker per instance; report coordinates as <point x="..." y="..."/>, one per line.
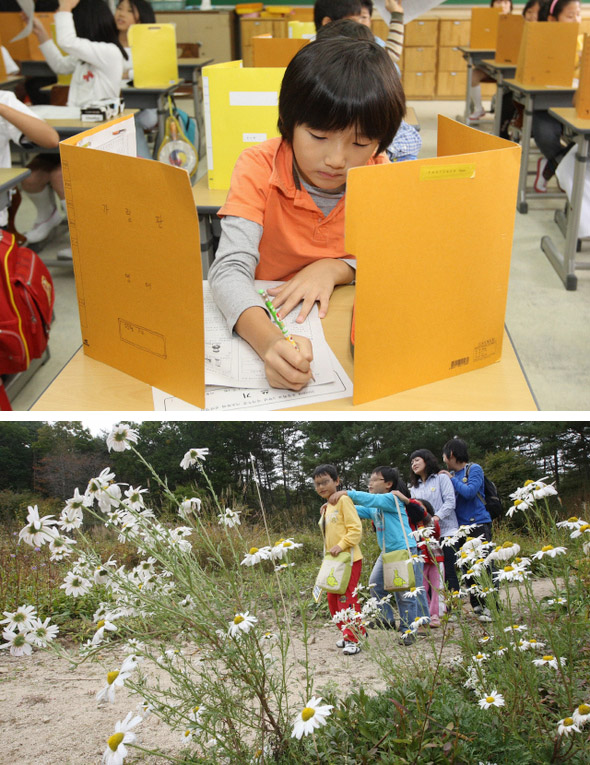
<point x="253" y="98"/>
<point x="253" y="137"/>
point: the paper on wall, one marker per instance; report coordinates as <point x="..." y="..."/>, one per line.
<point x="412" y="9"/>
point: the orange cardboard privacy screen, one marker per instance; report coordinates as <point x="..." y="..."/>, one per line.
<point x="275" y="51"/>
<point x="27" y="49"/>
<point x="484" y="27"/>
<point x="510" y="28"/>
<point x="547" y="54"/>
<point x="583" y="94"/>
<point x="433" y="241"/>
<point x="135" y="243"/>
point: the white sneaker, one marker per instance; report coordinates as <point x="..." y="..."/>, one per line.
<point x="41" y="230"/>
<point x="340" y="643"/>
<point x="350" y="649"/>
<point x="540" y="184"/>
<point x="485" y="615"/>
<point x="478" y="114"/>
<point x="65" y="253"/>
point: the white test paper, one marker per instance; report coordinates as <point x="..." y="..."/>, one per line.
<point x="412" y="9"/>
<point x="28" y="8"/>
<point x="117" y="139"/>
<point x="227" y="399"/>
<point x="231" y="362"/>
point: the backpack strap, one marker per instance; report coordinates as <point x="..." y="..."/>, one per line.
<point x="478" y="495"/>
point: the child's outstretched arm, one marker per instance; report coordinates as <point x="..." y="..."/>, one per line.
<point x="395" y="37"/>
<point x="34" y="129"/>
<point x="313" y="283"/>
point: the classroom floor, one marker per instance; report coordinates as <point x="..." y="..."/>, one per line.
<point x="550" y="327"/>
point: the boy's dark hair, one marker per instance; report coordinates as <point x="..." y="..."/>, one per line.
<point x="345" y="28"/>
<point x="458" y="448"/>
<point x="339" y="83"/>
<point x="94" y="21"/>
<point x="368" y="4"/>
<point x="545" y="8"/>
<point x="390" y="475"/>
<point x="334" y="10"/>
<point x="325" y="470"/>
<point x="430" y="461"/>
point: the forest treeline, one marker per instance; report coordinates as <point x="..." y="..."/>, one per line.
<point x="52" y="459"/>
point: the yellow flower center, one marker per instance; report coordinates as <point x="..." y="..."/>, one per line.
<point x="528" y="482"/>
<point x="517" y="502"/>
<point x="196" y="709"/>
<point x="573" y="519"/>
<point x="280" y="542"/>
<point x="187" y="733"/>
<point x="253" y="550"/>
<point x="112" y="676"/>
<point x="546" y="548"/>
<point x="568" y="721"/>
<point x="238" y="619"/>
<point x="490" y="699"/>
<point x="100" y="624"/>
<point x="115" y="740"/>
<point x="548" y="658"/>
<point x="585" y="527"/>
<point x="584" y="709"/>
<point x="506" y="545"/>
<point x="307" y="714"/>
<point x="508" y="568"/>
<point x="479" y="656"/>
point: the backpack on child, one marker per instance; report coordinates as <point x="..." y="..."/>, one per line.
<point x="26" y="305"/>
<point x="490" y="498"/>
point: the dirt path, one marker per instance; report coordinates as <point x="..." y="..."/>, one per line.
<point x="49" y="715"/>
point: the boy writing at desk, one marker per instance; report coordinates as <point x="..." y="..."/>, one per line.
<point x="341" y="103"/>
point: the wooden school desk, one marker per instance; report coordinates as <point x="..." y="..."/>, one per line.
<point x="499" y="73"/>
<point x="36" y="69"/>
<point x="11" y="81"/>
<point x="539" y="97"/>
<point x="85" y="384"/>
<point x="189" y="69"/>
<point x="69" y="127"/>
<point x="150" y="98"/>
<point x="565" y="263"/>
<point x="472" y="56"/>
<point x="10" y="177"/>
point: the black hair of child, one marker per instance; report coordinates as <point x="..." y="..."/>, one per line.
<point x="334" y="10"/>
<point x="328" y="470"/>
<point x="430" y="462"/>
<point x="458" y="448"/>
<point x="338" y="83"/>
<point x="345" y="28"/>
<point x="545" y="9"/>
<point x="94" y="21"/>
<point x="142" y="10"/>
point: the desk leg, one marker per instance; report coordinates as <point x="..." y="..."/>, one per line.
<point x="565" y="265"/>
<point x="527" y="130"/>
<point x="199" y="114"/>
<point x="500" y="91"/>
<point x="162" y="112"/>
<point x="468" y="90"/>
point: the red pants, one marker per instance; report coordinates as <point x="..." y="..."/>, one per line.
<point x="339" y="602"/>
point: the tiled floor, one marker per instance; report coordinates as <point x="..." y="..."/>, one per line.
<point x="549" y="326"/>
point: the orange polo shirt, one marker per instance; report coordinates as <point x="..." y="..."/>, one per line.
<point x="295" y="231"/>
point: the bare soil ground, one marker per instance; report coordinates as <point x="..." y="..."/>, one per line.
<point x="49" y="715"/>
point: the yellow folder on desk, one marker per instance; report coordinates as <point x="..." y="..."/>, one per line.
<point x="583" y="94"/>
<point x="547" y="54"/>
<point x="510" y="28"/>
<point x="484" y="27"/>
<point x="433" y="239"/>
<point x="135" y="243"/>
<point x="241" y="109"/>
<point x="153" y="51"/>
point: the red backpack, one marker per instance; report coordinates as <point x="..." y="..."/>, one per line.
<point x="26" y="305"/>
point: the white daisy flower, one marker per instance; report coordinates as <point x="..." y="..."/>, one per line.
<point x="501" y="650"/>
<point x="75" y="585"/>
<point x="71" y="518"/>
<point x="255" y="555"/>
<point x="583" y="529"/>
<point x="516" y="628"/>
<point x="116" y="750"/>
<point x="121" y="437"/>
<point x="116" y="679"/>
<point x="102" y="626"/>
<point x="189" y="507"/>
<point x="586" y="548"/>
<point x="518" y="506"/>
<point x="582" y="714"/>
<point x="480" y="657"/>
<point x="61" y="547"/>
<point x="229" y="518"/>
<point x="192" y="457"/>
<point x="505" y="551"/>
<point x="312" y="716"/>
<point x="109" y="497"/>
<point x="549" y="550"/>
<point x="22" y="619"/>
<point x="282" y="547"/>
<point x="38" y="530"/>
<point x="413" y="592"/>
<point x="241" y="623"/>
<point x="283" y="566"/>
<point x="571" y="523"/>
<point x="134" y="498"/>
<point x="42" y="633"/>
<point x="511" y="573"/>
<point x="556" y="602"/>
<point x="543" y="490"/>
<point x="19" y="643"/>
<point x="551" y="661"/>
<point x="567" y="726"/>
<point x="100" y="483"/>
<point x="493" y="699"/>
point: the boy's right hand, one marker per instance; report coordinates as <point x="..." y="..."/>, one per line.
<point x="284" y="365"/>
<point x="39" y="30"/>
<point x="393" y="6"/>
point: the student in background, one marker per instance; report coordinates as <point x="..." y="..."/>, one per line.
<point x="531" y="10"/>
<point x="395" y="34"/>
<point x="547" y="131"/>
<point x="478" y="75"/>
<point x="340" y="105"/>
<point x="325" y="11"/>
<point x="342" y="531"/>
<point x="127" y="13"/>
<point x="21" y="126"/>
<point x="86" y="32"/>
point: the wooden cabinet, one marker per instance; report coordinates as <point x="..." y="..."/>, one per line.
<point x="213" y="30"/>
<point x="454" y="32"/>
<point x="421" y="33"/>
<point x="249" y="28"/>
